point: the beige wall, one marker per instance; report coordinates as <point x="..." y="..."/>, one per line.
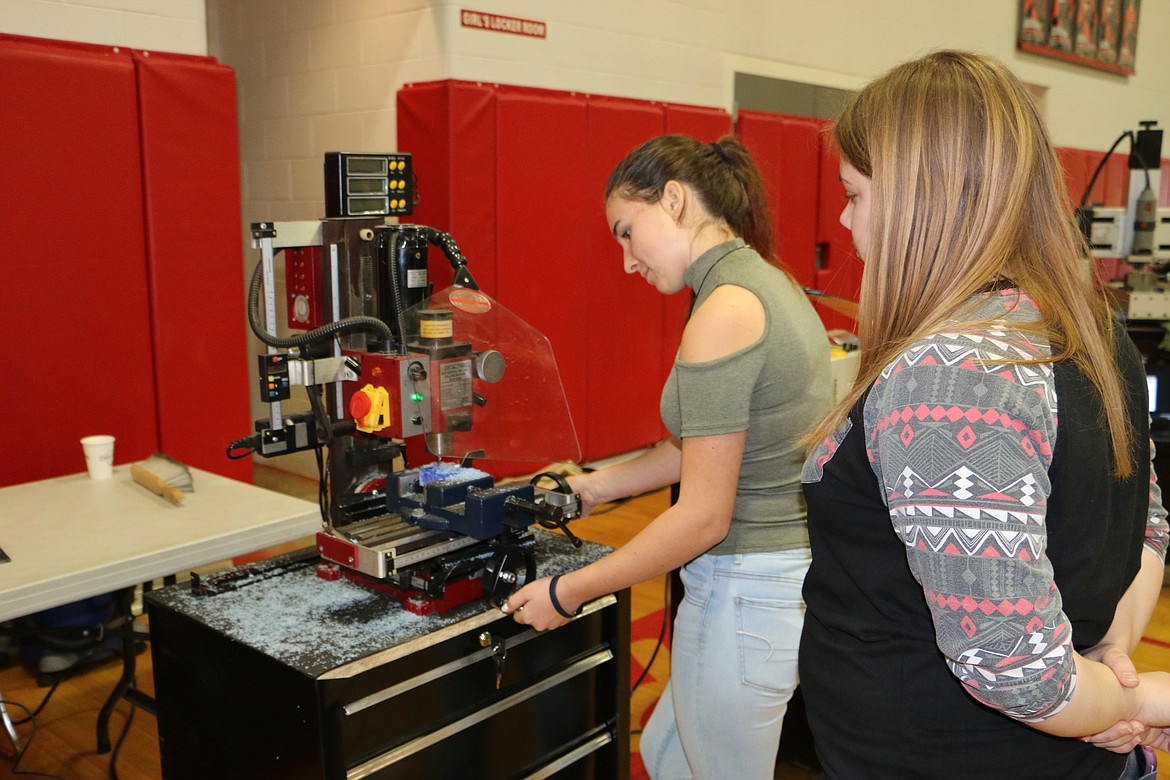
<point x="151" y="25"/>
<point x="317" y="75"/>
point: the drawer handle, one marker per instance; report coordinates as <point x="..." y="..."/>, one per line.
<point x="378" y="763"/>
<point x="386" y="694"/>
<point x="550" y="769"/>
<point x="488" y="616"/>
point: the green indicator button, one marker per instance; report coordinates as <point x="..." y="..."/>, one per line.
<point x="416" y="397"/>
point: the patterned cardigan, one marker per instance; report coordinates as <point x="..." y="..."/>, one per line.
<point x="965" y="473"/>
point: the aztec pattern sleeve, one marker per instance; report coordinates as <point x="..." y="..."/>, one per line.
<point x="961" y="443"/>
<point x="1157" y="528"/>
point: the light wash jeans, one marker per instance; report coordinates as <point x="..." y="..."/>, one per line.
<point x="733" y="668"/>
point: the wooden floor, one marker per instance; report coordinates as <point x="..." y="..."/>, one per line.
<point x="63" y="744"/>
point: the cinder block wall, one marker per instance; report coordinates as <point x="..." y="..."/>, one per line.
<point x="178" y="26"/>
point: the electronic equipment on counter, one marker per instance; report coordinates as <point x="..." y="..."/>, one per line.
<point x="1137" y="233"/>
<point x="1131" y="232"/>
<point x="387" y="362"/>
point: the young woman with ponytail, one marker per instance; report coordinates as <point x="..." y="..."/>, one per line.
<point x="751" y="375"/>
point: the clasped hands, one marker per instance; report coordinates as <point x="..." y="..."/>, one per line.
<point x="1125" y="735"/>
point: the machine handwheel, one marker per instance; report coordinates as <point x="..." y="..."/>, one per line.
<point x="507" y="571"/>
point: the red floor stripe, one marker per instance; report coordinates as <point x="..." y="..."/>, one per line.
<point x="1156" y="642"/>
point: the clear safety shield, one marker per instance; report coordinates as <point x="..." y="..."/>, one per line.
<point x="518" y="409"/>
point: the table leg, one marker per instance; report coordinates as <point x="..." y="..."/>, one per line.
<point x="122" y="689"/>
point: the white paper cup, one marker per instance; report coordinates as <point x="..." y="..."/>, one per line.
<point x="99" y="456"/>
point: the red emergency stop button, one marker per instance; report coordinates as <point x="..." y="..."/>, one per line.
<point x="370" y="409"/>
<point x="360" y="405"/>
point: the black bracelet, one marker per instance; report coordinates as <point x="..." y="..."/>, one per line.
<point x="552" y="596"/>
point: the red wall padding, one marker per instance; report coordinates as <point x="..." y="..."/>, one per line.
<point x="122" y="269"/>
<point x="75" y="314"/>
<point x="805" y="197"/>
<point x="455" y="124"/>
<point x="787" y="151"/>
<point x="191" y="168"/>
<point x="626" y="338"/>
<point x="517" y="175"/>
<point x="542" y="202"/>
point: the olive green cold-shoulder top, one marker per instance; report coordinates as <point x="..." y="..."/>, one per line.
<point x="775" y="390"/>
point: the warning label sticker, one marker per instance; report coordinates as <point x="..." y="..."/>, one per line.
<point x="470" y="301"/>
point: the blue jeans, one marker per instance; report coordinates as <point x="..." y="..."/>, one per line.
<point x="1142" y="764"/>
<point x="733" y="668"/>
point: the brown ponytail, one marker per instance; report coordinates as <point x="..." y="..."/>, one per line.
<point x="722" y="174"/>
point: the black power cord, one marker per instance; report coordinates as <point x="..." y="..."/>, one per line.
<point x="661" y="633"/>
<point x="1101" y="165"/>
<point x="1084" y="214"/>
<point x="658" y="644"/>
<point x="31" y="715"/>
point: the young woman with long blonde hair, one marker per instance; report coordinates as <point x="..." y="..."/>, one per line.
<point x="988" y="538"/>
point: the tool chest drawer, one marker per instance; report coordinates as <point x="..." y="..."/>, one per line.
<point x="301" y="693"/>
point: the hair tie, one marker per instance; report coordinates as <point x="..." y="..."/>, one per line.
<point x="719" y="150"/>
<point x="552" y="596"/>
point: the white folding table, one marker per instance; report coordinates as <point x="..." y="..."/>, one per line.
<point x="72" y="537"/>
